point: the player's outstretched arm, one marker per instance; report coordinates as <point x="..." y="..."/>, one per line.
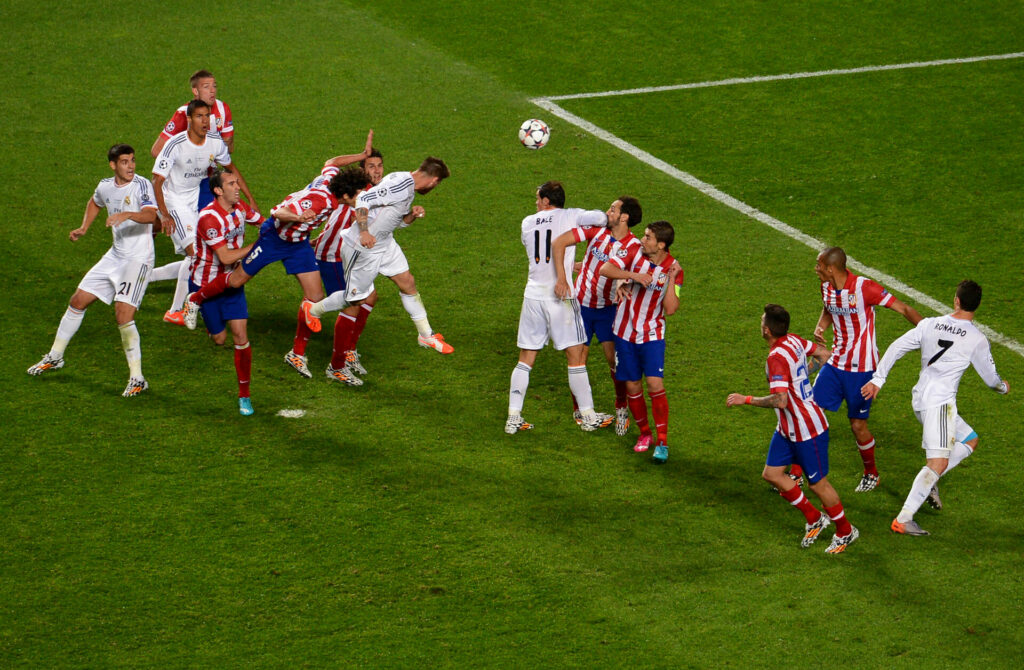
<point x="158" y="145"/>
<point x="558" y="247"/>
<point x="613" y="271"/>
<point x="779" y="400"/>
<point x="349" y="159"/>
<point x="824" y="321"/>
<point x="231" y="256"/>
<point x="92" y="210"/>
<point x="870" y="391"/>
<point x="908" y="312"/>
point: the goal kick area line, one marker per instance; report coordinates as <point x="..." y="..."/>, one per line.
<point x="548" y="103"/>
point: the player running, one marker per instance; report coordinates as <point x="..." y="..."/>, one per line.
<point x="284" y="237"/>
<point x="122" y="274"/>
<point x="544" y="315"/>
<point x="180" y="168"/>
<point x="639" y="329"/>
<point x="369" y="249"/>
<point x="948" y="344"/>
<point x="596" y="293"/>
<point x="219" y="237"/>
<point x="849" y="307"/>
<point x="801" y="435"/>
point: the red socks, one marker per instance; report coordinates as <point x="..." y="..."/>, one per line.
<point x="620" y="391"/>
<point x="797" y="499"/>
<point x="638" y="408"/>
<point x="343" y="329"/>
<point x="867" y="454"/>
<point x="302" y="335"/>
<point x="838" y="516"/>
<point x="218" y="285"/>
<point x="243" y="368"/>
<point x="659" y="408"/>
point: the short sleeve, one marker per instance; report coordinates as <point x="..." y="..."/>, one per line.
<point x="177" y="124"/>
<point x="875" y="294"/>
<point x="778" y="374"/>
<point x="209" y="230"/>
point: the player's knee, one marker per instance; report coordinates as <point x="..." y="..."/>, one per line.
<point x="219" y="338"/>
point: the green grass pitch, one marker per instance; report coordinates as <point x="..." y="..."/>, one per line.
<point x="396" y="525"/>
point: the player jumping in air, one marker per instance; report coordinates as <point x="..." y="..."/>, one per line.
<point x="122" y="274"/>
<point x="801" y="435"/>
<point x="948" y="344"/>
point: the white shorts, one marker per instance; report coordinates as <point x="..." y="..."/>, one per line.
<point x="186" y="219"/>
<point x="117" y="279"/>
<point x="558" y="319"/>
<point x="943" y="427"/>
<point x="362" y="267"/>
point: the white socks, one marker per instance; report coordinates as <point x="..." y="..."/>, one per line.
<point x="165" y="272"/>
<point x="417" y="312"/>
<point x="332" y="303"/>
<point x="517" y="389"/>
<point x="959" y="452"/>
<point x="923" y="484"/>
<point x="69" y="324"/>
<point x="181" y="290"/>
<point x="579" y="384"/>
<point x="132" y="348"/>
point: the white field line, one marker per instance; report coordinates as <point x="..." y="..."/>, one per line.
<point x="770" y="221"/>
<point x="792" y="75"/>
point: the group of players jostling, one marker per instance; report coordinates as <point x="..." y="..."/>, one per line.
<point x="624" y="289"/>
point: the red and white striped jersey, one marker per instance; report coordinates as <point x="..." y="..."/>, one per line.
<point x="786" y="369"/>
<point x="641" y="316"/>
<point x="218" y="228"/>
<point x="324" y="178"/>
<point x="592" y="289"/>
<point x="853" y="321"/>
<point x="220" y="121"/>
<point x="317" y="199"/>
<point x="328" y="244"/>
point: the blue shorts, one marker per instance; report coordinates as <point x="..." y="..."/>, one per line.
<point x="833" y="386"/>
<point x="598" y="321"/>
<point x="218" y="310"/>
<point x="333" y="274"/>
<point x="811" y="455"/>
<point x="205" y="194"/>
<point x="297" y="257"/>
<point x="633" y="361"/>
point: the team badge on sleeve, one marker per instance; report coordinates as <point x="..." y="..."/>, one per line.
<point x="211" y="233"/>
<point x="306" y="204"/>
<point x="169" y="127"/>
<point x="163" y="165"/>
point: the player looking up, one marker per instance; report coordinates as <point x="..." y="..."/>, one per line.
<point x="544" y="316"/>
<point x="849" y="307"/>
<point x="639" y="329"/>
<point x="219" y="237"/>
<point x="596" y="293"/>
<point x="369" y="249"/>
<point x="284" y="237"/>
<point x="948" y="344"/>
<point x="122" y="274"/>
<point x="801" y="435"/>
<point x="179" y="170"/>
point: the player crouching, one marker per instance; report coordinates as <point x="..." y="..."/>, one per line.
<point x="801" y="435"/>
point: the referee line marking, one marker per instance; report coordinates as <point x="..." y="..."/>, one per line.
<point x="779" y="77"/>
<point x="886" y="280"/>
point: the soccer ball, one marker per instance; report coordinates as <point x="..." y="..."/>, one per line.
<point x="534" y="133"/>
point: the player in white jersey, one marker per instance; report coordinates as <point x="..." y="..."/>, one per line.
<point x="369" y="249"/>
<point x="181" y="166"/>
<point x="122" y="274"/>
<point x="948" y="344"/>
<point x="544" y="315"/>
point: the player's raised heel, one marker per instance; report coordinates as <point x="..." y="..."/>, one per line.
<point x="48" y="364"/>
<point x="907" y="528"/>
<point x="813" y="530"/>
<point x="867" y="483"/>
<point x="344" y="375"/>
<point x="435" y="342"/>
<point x="298" y="363"/>
<point x="191" y="311"/>
<point x="136" y="385"/>
<point x="516" y="423"/>
<point x="245" y="407"/>
<point x="354" y="362"/>
<point x="660" y="454"/>
<point x="621" y="420"/>
<point x="643" y="444"/>
<point x="312" y="322"/>
<point x="175" y="318"/>
<point x="933" y="499"/>
<point x="839" y="544"/>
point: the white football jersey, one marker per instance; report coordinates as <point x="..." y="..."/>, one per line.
<point x="539" y="230"/>
<point x="948" y="346"/>
<point x="132" y="240"/>
<point x="184" y="165"/>
<point x="386" y="203"/>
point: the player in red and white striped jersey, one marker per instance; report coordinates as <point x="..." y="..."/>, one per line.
<point x="596" y="293"/>
<point x="640" y="329"/>
<point x="219" y="238"/>
<point x="849" y="307"/>
<point x="801" y="435"/>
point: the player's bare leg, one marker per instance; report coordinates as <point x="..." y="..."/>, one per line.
<point x="517" y="392"/>
<point x="69" y="324"/>
<point x="866" y="447"/>
<point x="413" y="304"/>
